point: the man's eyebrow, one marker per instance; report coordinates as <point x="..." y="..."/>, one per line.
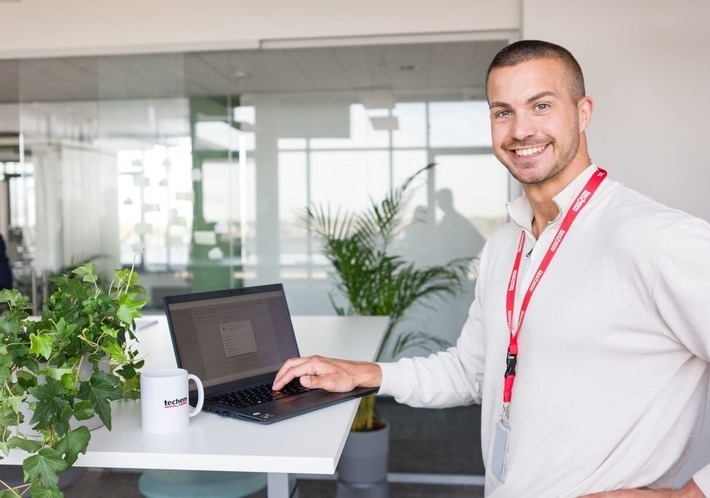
<point x="532" y="99"/>
<point x="497" y="104"/>
<point x="541" y="95"/>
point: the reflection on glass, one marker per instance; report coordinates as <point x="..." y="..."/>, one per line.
<point x="459" y="124"/>
<point x="170" y="155"/>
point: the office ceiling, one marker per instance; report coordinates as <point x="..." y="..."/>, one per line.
<point x="445" y="67"/>
<point x="133" y="96"/>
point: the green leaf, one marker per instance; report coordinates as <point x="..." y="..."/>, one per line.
<point x="50" y="403"/>
<point x="116" y="352"/>
<point x="61" y="425"/>
<point x="126" y="275"/>
<point x="14" y="402"/>
<point x="100" y="390"/>
<point x="11" y="493"/>
<point x="87" y="272"/>
<point x="40" y="491"/>
<point x="84" y="410"/>
<point x="29" y="445"/>
<point x="110" y="331"/>
<point x="73" y="443"/>
<point x="58" y="373"/>
<point x="130" y="306"/>
<point x="44" y="467"/>
<point x="69" y="381"/>
<point x="12" y="297"/>
<point x="25" y="380"/>
<point x="41" y="345"/>
<point x="131" y="388"/>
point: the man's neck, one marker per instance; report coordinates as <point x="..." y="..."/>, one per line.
<point x="540" y="222"/>
<point x="540" y="197"/>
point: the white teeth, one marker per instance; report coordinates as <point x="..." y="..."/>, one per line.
<point x="530" y="151"/>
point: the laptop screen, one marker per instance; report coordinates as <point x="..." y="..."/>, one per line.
<point x="231" y="335"/>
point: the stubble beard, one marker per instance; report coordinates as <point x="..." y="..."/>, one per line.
<point x="564" y="158"/>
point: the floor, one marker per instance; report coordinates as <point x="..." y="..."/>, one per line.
<point x="105" y="483"/>
<point x="422" y="441"/>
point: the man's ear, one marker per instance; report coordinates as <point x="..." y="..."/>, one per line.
<point x="585" y="106"/>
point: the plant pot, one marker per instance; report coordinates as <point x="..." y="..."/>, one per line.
<point x="362" y="470"/>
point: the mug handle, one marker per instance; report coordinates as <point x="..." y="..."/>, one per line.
<point x="200" y="394"/>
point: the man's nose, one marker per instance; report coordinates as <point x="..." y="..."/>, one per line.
<point x="523" y="127"/>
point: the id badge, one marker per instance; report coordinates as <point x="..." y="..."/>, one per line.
<point x="500" y="450"/>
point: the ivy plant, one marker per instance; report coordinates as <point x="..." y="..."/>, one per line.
<point x="64" y="367"/>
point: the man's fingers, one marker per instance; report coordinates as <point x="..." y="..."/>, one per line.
<point x="284" y="375"/>
<point x="315" y="372"/>
<point x="293" y="368"/>
<point x="326" y="382"/>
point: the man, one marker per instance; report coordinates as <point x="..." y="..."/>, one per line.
<point x="611" y="354"/>
<point x="5" y="267"/>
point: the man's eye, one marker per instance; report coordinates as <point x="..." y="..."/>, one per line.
<point x="503" y="114"/>
<point x="541" y="107"/>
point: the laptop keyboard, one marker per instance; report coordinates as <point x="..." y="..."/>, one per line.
<point x="257" y="395"/>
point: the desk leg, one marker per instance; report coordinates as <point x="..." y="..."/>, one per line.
<point x="281" y="486"/>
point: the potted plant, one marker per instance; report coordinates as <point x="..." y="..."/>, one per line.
<point x="60" y="369"/>
<point x="375" y="281"/>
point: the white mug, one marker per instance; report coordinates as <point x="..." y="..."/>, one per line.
<point x="164" y="399"/>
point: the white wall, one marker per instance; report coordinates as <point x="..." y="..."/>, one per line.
<point x="81" y="27"/>
<point x="647" y="66"/>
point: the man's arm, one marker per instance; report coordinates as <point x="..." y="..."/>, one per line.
<point x="329" y="374"/>
<point x="690" y="490"/>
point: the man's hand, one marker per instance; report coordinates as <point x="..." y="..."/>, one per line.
<point x="690" y="490"/>
<point x="329" y="374"/>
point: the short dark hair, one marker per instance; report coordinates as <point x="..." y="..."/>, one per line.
<point x="528" y="50"/>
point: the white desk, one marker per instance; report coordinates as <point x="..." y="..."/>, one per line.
<point x="308" y="444"/>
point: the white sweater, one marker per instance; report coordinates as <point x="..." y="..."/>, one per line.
<point x="613" y="368"/>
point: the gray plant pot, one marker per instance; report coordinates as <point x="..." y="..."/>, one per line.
<point x="362" y="470"/>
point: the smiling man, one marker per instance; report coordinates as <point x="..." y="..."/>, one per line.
<point x="538" y="120"/>
<point x="587" y="342"/>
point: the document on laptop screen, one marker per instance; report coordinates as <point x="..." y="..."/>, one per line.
<point x="234" y="337"/>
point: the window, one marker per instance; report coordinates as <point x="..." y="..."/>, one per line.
<point x="347" y="172"/>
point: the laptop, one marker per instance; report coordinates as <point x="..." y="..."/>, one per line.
<point x="235" y="341"/>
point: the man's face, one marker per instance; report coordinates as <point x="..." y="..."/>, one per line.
<point x="535" y="122"/>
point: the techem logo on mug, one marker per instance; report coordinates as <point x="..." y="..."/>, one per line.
<point x="175" y="403"/>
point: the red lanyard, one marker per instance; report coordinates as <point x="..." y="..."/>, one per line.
<point x="511" y="358"/>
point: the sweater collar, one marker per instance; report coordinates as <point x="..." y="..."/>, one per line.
<point x="520" y="211"/>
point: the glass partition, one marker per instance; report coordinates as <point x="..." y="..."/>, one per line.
<point x="197" y="167"/>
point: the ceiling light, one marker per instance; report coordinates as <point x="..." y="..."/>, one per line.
<point x="381" y="98"/>
<point x="388" y="123"/>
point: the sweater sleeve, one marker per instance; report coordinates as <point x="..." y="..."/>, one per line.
<point x="449" y="378"/>
<point x="702" y="479"/>
<point x="682" y="284"/>
<point x="681" y="290"/>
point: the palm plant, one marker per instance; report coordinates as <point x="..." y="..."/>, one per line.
<point x="375" y="281"/>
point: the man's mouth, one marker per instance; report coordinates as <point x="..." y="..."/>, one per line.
<point x="529" y="151"/>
